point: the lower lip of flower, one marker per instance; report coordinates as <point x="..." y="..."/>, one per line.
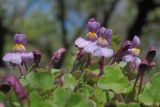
<point x="91" y="36"/>
<point x="19" y="48"/>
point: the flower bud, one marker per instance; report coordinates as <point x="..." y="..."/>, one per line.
<point x="58" y="54"/>
<point x="151" y="54"/>
<point x="11" y="81"/>
<point x="37" y="56"/>
<point x="143" y="66"/>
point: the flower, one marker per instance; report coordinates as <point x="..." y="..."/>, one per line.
<point x="58" y="54"/>
<point x="92" y="26"/>
<point x="11" y="81"/>
<point x="19" y="53"/>
<point x="133" y="53"/>
<point x="37" y="56"/>
<point x="103" y="43"/>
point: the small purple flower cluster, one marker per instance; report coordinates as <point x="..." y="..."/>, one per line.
<point x="97" y="41"/>
<point x="133" y="53"/>
<point x="19" y="54"/>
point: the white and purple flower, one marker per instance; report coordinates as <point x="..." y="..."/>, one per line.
<point x="19" y="53"/>
<point x="102" y="48"/>
<point x="91" y="37"/>
<point x="133" y="53"/>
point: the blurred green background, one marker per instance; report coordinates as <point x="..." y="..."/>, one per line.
<point x="51" y="24"/>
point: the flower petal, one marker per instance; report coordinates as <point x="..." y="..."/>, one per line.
<point x="91" y="47"/>
<point x="109" y="35"/>
<point x="105" y="51"/>
<point x="93" y="25"/>
<point x="7" y="57"/>
<point x="14" y="58"/>
<point x="81" y="43"/>
<point x="128" y="58"/>
<point x="27" y="56"/>
<point x="135" y="42"/>
<point x="137" y="61"/>
<point x="20" y="38"/>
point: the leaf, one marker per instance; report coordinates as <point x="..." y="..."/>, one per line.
<point x="151" y="95"/>
<point x="100" y="96"/>
<point x="37" y="101"/>
<point x="77" y="100"/>
<point x="2" y="97"/>
<point x="85" y="90"/>
<point x="122" y="64"/>
<point x="61" y="97"/>
<point x="66" y="98"/>
<point x="55" y="71"/>
<point x="128" y="105"/>
<point x="113" y="79"/>
<point x="69" y="82"/>
<point x="41" y="81"/>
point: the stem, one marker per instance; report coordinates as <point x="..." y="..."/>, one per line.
<point x="25" y="65"/>
<point x="135" y="84"/>
<point x="28" y="101"/>
<point x="119" y="97"/>
<point x="101" y="65"/>
<point x="141" y="81"/>
<point x="20" y="70"/>
<point x="50" y="64"/>
<point x="88" y="62"/>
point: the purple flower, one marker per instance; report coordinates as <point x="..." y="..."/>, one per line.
<point x="11" y="81"/>
<point x="133" y="53"/>
<point x="103" y="43"/>
<point x="17" y="58"/>
<point x="19" y="53"/>
<point x="93" y="26"/>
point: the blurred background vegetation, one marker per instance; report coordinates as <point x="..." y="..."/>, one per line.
<point x="51" y="24"/>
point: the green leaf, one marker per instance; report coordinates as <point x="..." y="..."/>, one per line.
<point x="77" y="100"/>
<point x="69" y="82"/>
<point x="114" y="80"/>
<point x="85" y="90"/>
<point x="55" y="71"/>
<point x="37" y="101"/>
<point x="2" y="97"/>
<point x="151" y="95"/>
<point x="61" y="97"/>
<point x="122" y="64"/>
<point x="66" y="98"/>
<point x="41" y="81"/>
<point x="100" y="96"/>
<point x="128" y="105"/>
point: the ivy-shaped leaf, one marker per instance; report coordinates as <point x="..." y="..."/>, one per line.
<point x="66" y="98"/>
<point x="114" y="80"/>
<point x="41" y="81"/>
<point x="151" y="94"/>
<point x="128" y="105"/>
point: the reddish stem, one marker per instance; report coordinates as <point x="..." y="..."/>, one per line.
<point x="141" y="81"/>
<point x="101" y="65"/>
<point x="20" y="70"/>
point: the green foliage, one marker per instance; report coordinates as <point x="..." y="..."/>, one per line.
<point x="150" y="95"/>
<point x="67" y="98"/>
<point x="114" y="80"/>
<point x="41" y="81"/>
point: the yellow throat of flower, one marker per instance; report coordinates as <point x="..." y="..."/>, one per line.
<point x="102" y="41"/>
<point x="91" y="35"/>
<point x="136" y="51"/>
<point x="19" y="47"/>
